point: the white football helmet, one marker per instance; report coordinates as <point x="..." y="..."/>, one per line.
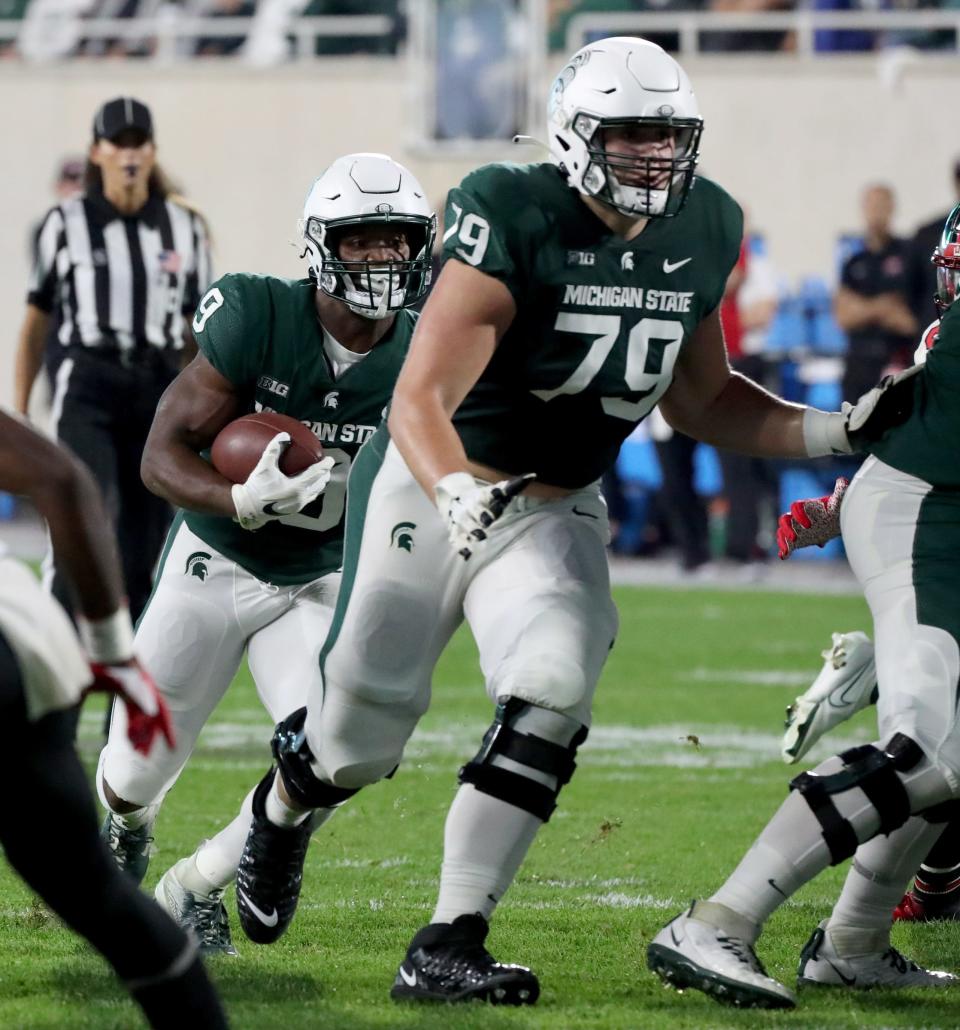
<point x="625" y="81"/>
<point x="362" y="189"/>
<point x="946" y="257"/>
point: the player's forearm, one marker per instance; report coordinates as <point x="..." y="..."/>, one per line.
<point x="746" y="418"/>
<point x="174" y="471"/>
<point x="80" y="534"/>
<point x="424" y="435"/>
<point x="29" y="359"/>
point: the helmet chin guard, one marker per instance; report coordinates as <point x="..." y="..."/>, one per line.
<point x="629" y="83"/>
<point x="368" y="189"/>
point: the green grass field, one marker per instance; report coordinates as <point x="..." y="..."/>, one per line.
<point x="680" y="772"/>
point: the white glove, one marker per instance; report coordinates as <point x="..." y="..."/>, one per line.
<point x="469" y="508"/>
<point x="269" y="494"/>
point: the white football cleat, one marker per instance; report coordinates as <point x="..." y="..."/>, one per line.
<point x="844" y="686"/>
<point x="821" y="966"/>
<point x="691" y="953"/>
<point x="203" y="915"/>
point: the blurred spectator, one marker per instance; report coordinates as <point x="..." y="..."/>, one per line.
<point x="220" y="46"/>
<point x="747" y="310"/>
<point x="684" y="508"/>
<point x="384" y="44"/>
<point x="751" y="39"/>
<point x="871" y="303"/>
<point x="922" y="277"/>
<point x="11" y="10"/>
<point x="846" y="39"/>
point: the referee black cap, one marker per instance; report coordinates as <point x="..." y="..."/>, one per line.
<point x="120" y="114"/>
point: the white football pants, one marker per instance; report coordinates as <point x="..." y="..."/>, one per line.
<point x="536" y="594"/>
<point x="203" y="613"/>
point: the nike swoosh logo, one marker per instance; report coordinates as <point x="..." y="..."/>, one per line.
<point x="585" y="514"/>
<point x="267" y="920"/>
<point x="268" y="509"/>
<point x="848" y="980"/>
<point x="410" y="979"/>
<point x="673" y="933"/>
<point x="672" y="266"/>
<point x="776" y="888"/>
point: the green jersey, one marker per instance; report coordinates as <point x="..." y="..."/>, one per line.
<point x="927" y="444"/>
<point x="262" y="333"/>
<point x="600" y="320"/>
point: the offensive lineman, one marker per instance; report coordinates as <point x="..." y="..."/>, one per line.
<point x="884" y="803"/>
<point x="256" y="567"/>
<point x="578" y="294"/>
<point x="44" y="673"/>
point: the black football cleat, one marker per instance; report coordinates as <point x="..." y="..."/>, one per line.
<point x="270" y="873"/>
<point x="448" y="962"/>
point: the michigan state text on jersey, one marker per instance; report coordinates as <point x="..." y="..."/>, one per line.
<point x="262" y="334"/>
<point x="600" y="319"/>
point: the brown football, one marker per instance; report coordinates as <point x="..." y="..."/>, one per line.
<point x="240" y="444"/>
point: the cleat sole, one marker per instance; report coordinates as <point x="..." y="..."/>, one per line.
<point x="680" y="973"/>
<point x="518" y="992"/>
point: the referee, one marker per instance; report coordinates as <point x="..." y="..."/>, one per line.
<point x="117" y="267"/>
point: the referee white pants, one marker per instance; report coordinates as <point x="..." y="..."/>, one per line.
<point x="536" y="595"/>
<point x="204" y="612"/>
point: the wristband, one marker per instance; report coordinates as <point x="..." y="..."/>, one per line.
<point x="825" y="433"/>
<point x="110" y="640"/>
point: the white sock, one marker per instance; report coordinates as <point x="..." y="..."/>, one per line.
<point x="279" y="812"/>
<point x="485" y="840"/>
<point x="875" y="883"/>
<point x="217" y="859"/>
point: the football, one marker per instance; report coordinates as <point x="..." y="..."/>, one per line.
<point x="240" y="444"/>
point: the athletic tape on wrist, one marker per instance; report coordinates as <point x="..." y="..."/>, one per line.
<point x="109" y="640"/>
<point x="824" y="433"/>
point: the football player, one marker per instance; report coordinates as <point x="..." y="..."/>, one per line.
<point x="886" y="803"/>
<point x="255" y="567"/>
<point x="578" y="294"/>
<point x="44" y="673"/>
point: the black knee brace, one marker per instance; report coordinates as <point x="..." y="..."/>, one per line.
<point x="293" y="757"/>
<point x="875" y="773"/>
<point x="527" y="749"/>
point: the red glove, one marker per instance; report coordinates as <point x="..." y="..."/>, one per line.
<point x="813" y="521"/>
<point x="147" y="713"/>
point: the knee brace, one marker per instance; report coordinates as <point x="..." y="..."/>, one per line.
<point x="873" y="771"/>
<point x="293" y="758"/>
<point x="529" y="750"/>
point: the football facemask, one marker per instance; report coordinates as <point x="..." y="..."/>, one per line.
<point x="378" y="288"/>
<point x="947" y="259"/>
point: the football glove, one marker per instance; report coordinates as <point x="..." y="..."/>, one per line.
<point x="813" y="521"/>
<point x="470" y="509"/>
<point x="268" y="494"/>
<point x="147" y="713"/>
<point x="887" y="405"/>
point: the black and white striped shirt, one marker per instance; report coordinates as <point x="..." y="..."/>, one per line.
<point x="117" y="280"/>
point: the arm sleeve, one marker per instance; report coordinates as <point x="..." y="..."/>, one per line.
<point x="200" y="272"/>
<point x="230" y="329"/>
<point x="43" y="277"/>
<point x="477" y="236"/>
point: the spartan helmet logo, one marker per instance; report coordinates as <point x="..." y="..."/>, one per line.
<point x="332" y="399"/>
<point x="400" y="535"/>
<point x="626" y="261"/>
<point x="197" y="565"/>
